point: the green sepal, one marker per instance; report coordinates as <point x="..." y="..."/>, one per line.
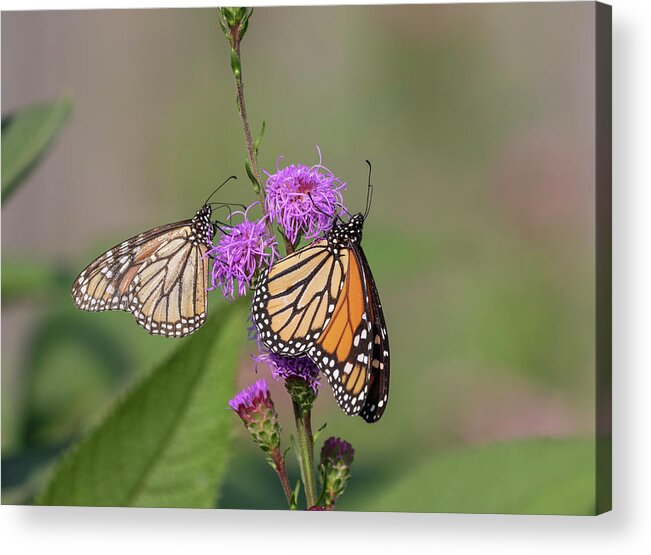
<point x="301" y="393"/>
<point x="244" y="27"/>
<point x="335" y="477"/>
<point x="230" y="14"/>
<point x="224" y="29"/>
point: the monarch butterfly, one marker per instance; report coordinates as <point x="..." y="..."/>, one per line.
<point x="160" y="276"/>
<point x="322" y="301"/>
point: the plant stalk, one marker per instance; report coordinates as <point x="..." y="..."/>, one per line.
<point x="241" y="106"/>
<point x="306" y="452"/>
<point x="251" y="151"/>
<point x="281" y="471"/>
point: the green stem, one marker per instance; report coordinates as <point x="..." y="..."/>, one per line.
<point x="251" y="151"/>
<point x="241" y="105"/>
<point x="306" y="452"/>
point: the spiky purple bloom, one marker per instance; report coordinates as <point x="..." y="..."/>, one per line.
<point x="241" y="250"/>
<point x="256" y="410"/>
<point x="251" y="398"/>
<point x="284" y="368"/>
<point x="303" y="199"/>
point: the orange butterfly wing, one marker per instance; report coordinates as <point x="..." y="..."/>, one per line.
<point x="322" y="301"/>
<point x="296" y="297"/>
<point x="343" y="350"/>
<point x="378" y="386"/>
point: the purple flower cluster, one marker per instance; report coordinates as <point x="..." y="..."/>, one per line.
<point x="283" y="368"/>
<point x="303" y="199"/>
<point x="239" y="253"/>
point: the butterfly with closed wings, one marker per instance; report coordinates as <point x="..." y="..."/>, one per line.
<point x="322" y="301"/>
<point x="160" y="276"/>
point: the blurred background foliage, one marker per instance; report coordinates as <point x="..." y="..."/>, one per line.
<point x="479" y="121"/>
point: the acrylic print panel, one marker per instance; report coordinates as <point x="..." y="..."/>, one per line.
<point x="136" y="276"/>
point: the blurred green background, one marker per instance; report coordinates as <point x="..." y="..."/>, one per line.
<point x="479" y="121"/>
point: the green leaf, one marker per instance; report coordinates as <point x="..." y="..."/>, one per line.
<point x="293" y="502"/>
<point x="23" y="278"/>
<point x="26" y="136"/>
<point x="256" y="143"/>
<point x="24" y="473"/>
<point x="167" y="443"/>
<point x="249" y="172"/>
<point x="223" y="26"/>
<point x="318" y="432"/>
<point x="244" y="27"/>
<point x="57" y="399"/>
<point x="530" y="477"/>
<point x="236" y="65"/>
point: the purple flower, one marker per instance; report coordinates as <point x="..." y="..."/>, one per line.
<point x="256" y="410"/>
<point x="304" y="200"/>
<point x="241" y="250"/>
<point x="284" y="368"/>
<point x="251" y="399"/>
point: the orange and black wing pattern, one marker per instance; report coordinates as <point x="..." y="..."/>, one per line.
<point x="321" y="301"/>
<point x="343" y="350"/>
<point x="378" y="387"/>
<point x="295" y="298"/>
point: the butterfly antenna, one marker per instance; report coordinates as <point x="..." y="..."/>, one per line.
<point x="217" y="189"/>
<point x="223" y="227"/>
<point x="218" y="226"/>
<point x="344" y="209"/>
<point x="369" y="191"/>
<point x="219" y="205"/>
<point x="230" y="212"/>
<point x="321" y="211"/>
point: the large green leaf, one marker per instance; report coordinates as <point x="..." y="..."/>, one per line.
<point x="26" y="135"/>
<point x="167" y="443"/>
<point x="23" y="279"/>
<point x="524" y="477"/>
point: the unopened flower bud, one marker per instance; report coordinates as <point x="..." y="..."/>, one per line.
<point x="336" y="459"/>
<point x="256" y="410"/>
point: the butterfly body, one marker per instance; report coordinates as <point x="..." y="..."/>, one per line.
<point x="160" y="276"/>
<point x="321" y="301"/>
